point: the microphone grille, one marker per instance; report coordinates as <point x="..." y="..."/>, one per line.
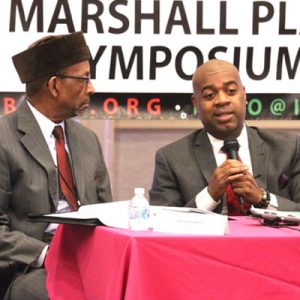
<point x="230" y="144"/>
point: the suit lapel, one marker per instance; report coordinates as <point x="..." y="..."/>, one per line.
<point x="259" y="155"/>
<point x="204" y="155"/>
<point x="75" y="148"/>
<point x="207" y="163"/>
<point x="34" y="141"/>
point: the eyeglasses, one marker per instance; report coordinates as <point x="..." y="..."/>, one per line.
<point x="85" y="79"/>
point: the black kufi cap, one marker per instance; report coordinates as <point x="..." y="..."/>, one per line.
<point x="50" y="56"/>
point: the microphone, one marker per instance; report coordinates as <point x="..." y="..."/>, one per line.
<point x="231" y="148"/>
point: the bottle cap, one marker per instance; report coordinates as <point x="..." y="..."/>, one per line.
<point x="139" y="191"/>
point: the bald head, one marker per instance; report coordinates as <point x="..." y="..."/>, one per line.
<point x="220" y="98"/>
<point x="210" y="69"/>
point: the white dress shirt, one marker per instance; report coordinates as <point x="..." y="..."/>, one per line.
<point x="203" y="199"/>
<point x="47" y="127"/>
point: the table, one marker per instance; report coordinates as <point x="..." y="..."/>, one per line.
<point x="252" y="262"/>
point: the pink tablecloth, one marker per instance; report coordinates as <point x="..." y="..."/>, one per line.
<point x="252" y="262"/>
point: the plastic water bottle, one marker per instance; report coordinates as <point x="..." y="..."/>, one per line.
<point x="139" y="211"/>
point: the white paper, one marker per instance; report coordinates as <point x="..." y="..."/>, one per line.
<point x="163" y="219"/>
<point x="189" y="221"/>
<point x="179" y="220"/>
<point x="114" y="214"/>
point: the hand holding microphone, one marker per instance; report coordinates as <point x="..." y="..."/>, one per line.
<point x="244" y="180"/>
<point x="227" y="172"/>
<point x="231" y="148"/>
<point x="235" y="173"/>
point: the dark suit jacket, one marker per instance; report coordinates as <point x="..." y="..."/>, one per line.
<point x="184" y="168"/>
<point x="29" y="183"/>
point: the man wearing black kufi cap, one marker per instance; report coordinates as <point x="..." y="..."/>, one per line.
<point x="56" y="72"/>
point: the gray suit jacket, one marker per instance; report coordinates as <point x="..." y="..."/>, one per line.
<point x="184" y="168"/>
<point x="29" y="183"/>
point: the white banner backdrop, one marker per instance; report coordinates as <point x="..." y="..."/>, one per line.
<point x="155" y="46"/>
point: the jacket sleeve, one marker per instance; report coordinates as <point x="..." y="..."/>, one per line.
<point x="15" y="246"/>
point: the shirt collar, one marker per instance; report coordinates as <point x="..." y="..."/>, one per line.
<point x="218" y="144"/>
<point x="45" y="124"/>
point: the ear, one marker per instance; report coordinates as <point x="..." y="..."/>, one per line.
<point x="52" y="86"/>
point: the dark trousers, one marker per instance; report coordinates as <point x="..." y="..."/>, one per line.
<point x="28" y="286"/>
<point x="7" y="273"/>
<point x="22" y="282"/>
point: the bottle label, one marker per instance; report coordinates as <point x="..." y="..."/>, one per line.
<point x="139" y="213"/>
<point x="139" y="218"/>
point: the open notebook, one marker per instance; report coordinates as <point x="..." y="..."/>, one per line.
<point x="163" y="218"/>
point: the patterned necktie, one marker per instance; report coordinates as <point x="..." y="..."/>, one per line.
<point x="64" y="169"/>
<point x="233" y="203"/>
